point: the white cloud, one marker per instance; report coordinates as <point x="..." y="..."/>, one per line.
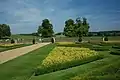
<point x="28" y="15"/>
<point x="52" y="9"/>
<point x="117" y="21"/>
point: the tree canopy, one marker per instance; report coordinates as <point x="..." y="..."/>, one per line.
<point x="46" y="29"/>
<point x="76" y="28"/>
<point x="4" y="30"/>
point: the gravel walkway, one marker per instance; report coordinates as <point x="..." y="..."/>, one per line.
<point x="11" y="54"/>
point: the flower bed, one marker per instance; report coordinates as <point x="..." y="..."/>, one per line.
<point x="66" y="57"/>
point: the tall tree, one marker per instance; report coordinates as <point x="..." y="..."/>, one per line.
<point x="79" y="28"/>
<point x="82" y="27"/>
<point x="69" y="28"/>
<point x="46" y="28"/>
<point x="4" y="30"/>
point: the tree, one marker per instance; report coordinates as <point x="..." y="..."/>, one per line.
<point x="69" y="28"/>
<point x="4" y="30"/>
<point x="46" y="29"/>
<point x="81" y="27"/>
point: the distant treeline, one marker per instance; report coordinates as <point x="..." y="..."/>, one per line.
<point x="104" y="33"/>
<point x="100" y="33"/>
<point x="31" y="34"/>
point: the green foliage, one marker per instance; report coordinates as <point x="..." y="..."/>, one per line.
<point x="69" y="28"/>
<point x="81" y="27"/>
<point x="4" y="30"/>
<point x="100" y="48"/>
<point x="59" y="33"/>
<point x="116" y="47"/>
<point x="115" y="52"/>
<point x="12" y="41"/>
<point x="33" y="41"/>
<point x="80" y="39"/>
<point x="52" y="40"/>
<point x="78" y="28"/>
<point x="46" y="29"/>
<point x="106" y="38"/>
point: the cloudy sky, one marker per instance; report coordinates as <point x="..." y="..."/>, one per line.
<point x="24" y="16"/>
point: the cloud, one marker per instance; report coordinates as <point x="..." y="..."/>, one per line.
<point x="28" y="15"/>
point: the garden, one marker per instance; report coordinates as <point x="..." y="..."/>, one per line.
<point x="66" y="61"/>
<point x="84" y="61"/>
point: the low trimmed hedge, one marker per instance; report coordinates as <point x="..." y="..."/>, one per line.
<point x="100" y="48"/>
<point x="115" y="52"/>
<point x="116" y="47"/>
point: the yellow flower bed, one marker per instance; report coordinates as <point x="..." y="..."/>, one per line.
<point x="7" y="44"/>
<point x="65" y="43"/>
<point x="65" y="57"/>
<point x="67" y="54"/>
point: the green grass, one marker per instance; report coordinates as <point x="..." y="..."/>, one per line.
<point x="66" y="39"/>
<point x="23" y="67"/>
<point x="22" y="36"/>
<point x="5" y="48"/>
<point x="66" y="74"/>
<point x="93" y="39"/>
<point x="71" y="72"/>
<point x="106" y="71"/>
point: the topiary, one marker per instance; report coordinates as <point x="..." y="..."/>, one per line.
<point x="115" y="52"/>
<point x="33" y="41"/>
<point x="80" y="39"/>
<point x="106" y="38"/>
<point x="12" y="41"/>
<point x="53" y="40"/>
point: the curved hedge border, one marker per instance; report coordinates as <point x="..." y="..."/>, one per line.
<point x="115" y="52"/>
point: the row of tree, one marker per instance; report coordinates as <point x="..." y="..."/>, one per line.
<point x="104" y="33"/>
<point x="4" y="30"/>
<point x="72" y="28"/>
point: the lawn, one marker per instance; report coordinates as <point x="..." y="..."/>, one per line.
<point x="23" y="67"/>
<point x="12" y="46"/>
<point x="66" y="61"/>
<point x="94" y="69"/>
<point x="22" y="36"/>
<point x="28" y="38"/>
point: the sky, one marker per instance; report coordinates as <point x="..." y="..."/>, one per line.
<point x="24" y="16"/>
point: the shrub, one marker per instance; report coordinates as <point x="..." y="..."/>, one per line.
<point x="115" y="52"/>
<point x="100" y="48"/>
<point x="12" y="41"/>
<point x="116" y="47"/>
<point x="53" y="40"/>
<point x="33" y="41"/>
<point x="106" y="38"/>
<point x="80" y="39"/>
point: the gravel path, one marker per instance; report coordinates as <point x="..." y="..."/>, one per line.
<point x="11" y="54"/>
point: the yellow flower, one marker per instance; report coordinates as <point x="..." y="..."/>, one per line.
<point x="61" y="55"/>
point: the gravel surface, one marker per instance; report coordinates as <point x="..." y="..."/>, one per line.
<point x="11" y="54"/>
